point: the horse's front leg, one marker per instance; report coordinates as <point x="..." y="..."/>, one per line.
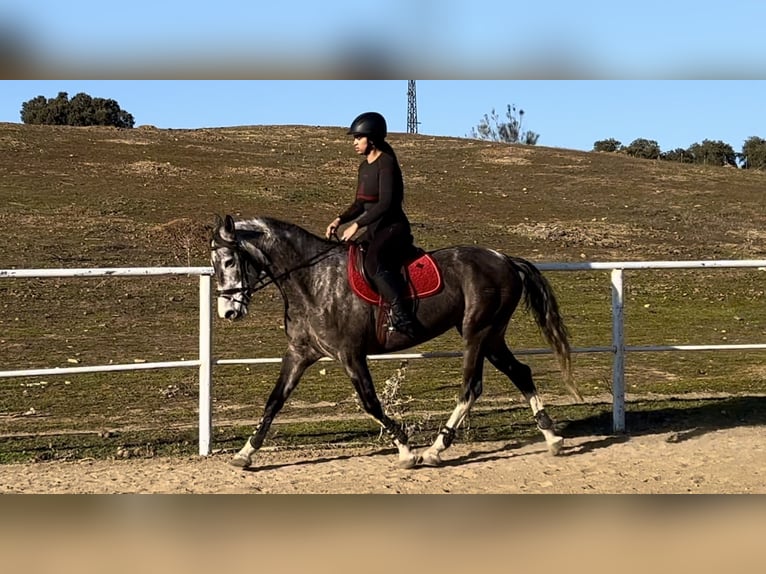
<point x="357" y="370"/>
<point x="294" y="364"/>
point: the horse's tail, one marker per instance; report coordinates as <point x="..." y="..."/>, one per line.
<point x="541" y="302"/>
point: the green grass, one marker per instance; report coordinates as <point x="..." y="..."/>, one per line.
<point x="102" y="197"/>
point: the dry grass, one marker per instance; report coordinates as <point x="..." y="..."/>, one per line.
<point x="102" y="197"/>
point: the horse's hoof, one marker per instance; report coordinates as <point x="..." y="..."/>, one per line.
<point x="430" y="459"/>
<point x="240" y="461"/>
<point x="554" y="447"/>
<point x="407" y="463"/>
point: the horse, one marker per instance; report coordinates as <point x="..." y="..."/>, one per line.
<point x="325" y="318"/>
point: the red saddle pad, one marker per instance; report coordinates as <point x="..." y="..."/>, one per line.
<point x="423" y="277"/>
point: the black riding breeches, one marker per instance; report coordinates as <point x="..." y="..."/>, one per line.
<point x="388" y="249"/>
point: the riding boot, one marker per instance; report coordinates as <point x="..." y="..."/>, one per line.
<point x="402" y="319"/>
<point x="391" y="287"/>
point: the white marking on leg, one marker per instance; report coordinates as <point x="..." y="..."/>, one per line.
<point x="431" y="455"/>
<point x="245" y="455"/>
<point x="536" y="404"/>
<point x="550" y="436"/>
<point x="247" y="450"/>
<point x="407" y="459"/>
<point x="243" y="458"/>
<point x="457" y="416"/>
<point x="553" y="441"/>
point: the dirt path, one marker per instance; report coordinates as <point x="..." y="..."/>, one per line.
<point x="722" y="461"/>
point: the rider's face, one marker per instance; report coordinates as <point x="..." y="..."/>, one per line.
<point x="360" y="144"/>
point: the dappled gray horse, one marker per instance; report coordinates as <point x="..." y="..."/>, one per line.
<point x="324" y="318"/>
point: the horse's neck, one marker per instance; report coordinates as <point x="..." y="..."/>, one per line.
<point x="294" y="250"/>
<point x="298" y="267"/>
<point x="291" y="249"/>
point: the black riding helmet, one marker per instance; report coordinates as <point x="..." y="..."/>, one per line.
<point x="369" y="124"/>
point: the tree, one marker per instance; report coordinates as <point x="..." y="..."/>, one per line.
<point x="679" y="154"/>
<point x="754" y="153"/>
<point x="33" y="111"/>
<point x="713" y="153"/>
<point x="611" y="145"/>
<point x="55" y="111"/>
<point x="643" y="148"/>
<point x="81" y="110"/>
<point x="491" y="128"/>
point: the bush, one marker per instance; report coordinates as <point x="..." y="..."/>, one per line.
<point x="611" y="145"/>
<point x="643" y="148"/>
<point x="491" y="128"/>
<point x="754" y="153"/>
<point x="713" y="153"/>
<point x="680" y="155"/>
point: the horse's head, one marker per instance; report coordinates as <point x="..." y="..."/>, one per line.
<point x="239" y="266"/>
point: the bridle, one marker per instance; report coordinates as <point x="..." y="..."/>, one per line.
<point x="265" y="277"/>
<point x="246" y="292"/>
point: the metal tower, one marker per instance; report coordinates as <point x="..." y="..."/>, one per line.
<point x="412" y="108"/>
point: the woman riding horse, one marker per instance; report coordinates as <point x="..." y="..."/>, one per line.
<point x="481" y="290"/>
<point x="378" y="207"/>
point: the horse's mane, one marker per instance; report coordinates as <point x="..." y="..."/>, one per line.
<point x="273" y="230"/>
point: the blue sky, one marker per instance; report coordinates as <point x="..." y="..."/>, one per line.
<point x="566" y="113"/>
<point x="477" y="39"/>
<point x="582" y="71"/>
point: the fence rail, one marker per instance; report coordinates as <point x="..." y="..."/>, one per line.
<point x="205" y="361"/>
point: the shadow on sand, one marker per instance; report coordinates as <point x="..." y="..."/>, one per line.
<point x="681" y="419"/>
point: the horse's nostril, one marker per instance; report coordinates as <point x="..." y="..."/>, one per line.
<point x="230" y="314"/>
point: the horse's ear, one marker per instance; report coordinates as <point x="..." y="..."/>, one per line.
<point x="227" y="233"/>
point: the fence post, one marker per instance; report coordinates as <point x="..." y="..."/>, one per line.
<point x="618" y="342"/>
<point x="205" y="366"/>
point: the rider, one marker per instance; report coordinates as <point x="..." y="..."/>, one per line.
<point x="378" y="207"/>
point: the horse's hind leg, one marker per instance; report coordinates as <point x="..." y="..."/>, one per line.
<point x="362" y="380"/>
<point x="502" y="358"/>
<point x="473" y="368"/>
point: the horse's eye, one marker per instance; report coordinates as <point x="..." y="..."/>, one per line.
<point x="228" y="263"/>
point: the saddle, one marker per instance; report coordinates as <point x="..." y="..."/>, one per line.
<point x="420" y="271"/>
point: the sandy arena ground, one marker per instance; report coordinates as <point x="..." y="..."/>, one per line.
<point x="723" y="461"/>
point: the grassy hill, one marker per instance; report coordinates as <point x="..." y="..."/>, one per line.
<point x="119" y="186"/>
<point x="102" y="197"/>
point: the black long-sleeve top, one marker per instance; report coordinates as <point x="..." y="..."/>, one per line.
<point x="379" y="195"/>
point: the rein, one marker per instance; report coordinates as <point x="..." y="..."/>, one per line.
<point x="248" y="291"/>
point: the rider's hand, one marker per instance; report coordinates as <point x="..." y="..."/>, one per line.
<point x="332" y="228"/>
<point x="349" y="232"/>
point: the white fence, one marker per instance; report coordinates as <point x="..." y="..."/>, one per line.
<point x="205" y="361"/>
